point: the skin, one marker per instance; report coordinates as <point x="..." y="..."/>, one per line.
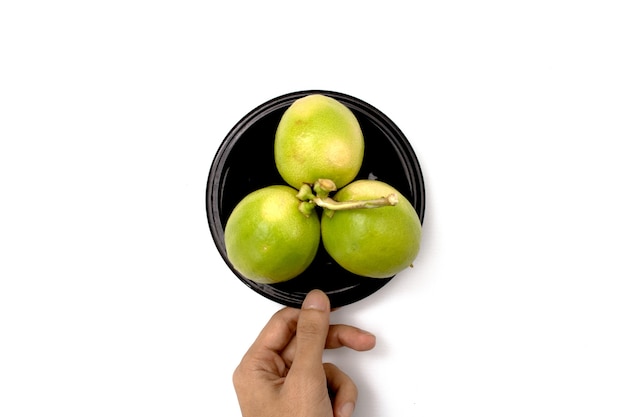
<point x="267" y="239"/>
<point x="318" y="137"/>
<point x="282" y="374"/>
<point x="378" y="242"/>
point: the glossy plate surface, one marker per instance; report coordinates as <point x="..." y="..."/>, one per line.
<point x="244" y="163"/>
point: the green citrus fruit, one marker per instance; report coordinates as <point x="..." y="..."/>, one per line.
<point x="268" y="240"/>
<point x="318" y="137"/>
<point x="372" y="242"/>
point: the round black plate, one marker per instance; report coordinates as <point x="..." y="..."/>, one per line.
<point x="244" y="162"/>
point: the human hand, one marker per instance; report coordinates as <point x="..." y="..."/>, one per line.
<point x="282" y="374"/>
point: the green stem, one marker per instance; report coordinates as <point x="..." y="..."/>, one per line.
<point x="318" y="195"/>
<point x="330" y="204"/>
<point x="306" y="208"/>
<point x="305" y="193"/>
<point x="323" y="187"/>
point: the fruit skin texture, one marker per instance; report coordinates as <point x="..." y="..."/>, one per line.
<point x="318" y="137"/>
<point x="377" y="242"/>
<point x="267" y="239"/>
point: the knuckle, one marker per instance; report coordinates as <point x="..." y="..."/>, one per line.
<point x="237" y="376"/>
<point x="310" y="329"/>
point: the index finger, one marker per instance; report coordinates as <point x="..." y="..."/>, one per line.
<point x="339" y="335"/>
<point x="278" y="331"/>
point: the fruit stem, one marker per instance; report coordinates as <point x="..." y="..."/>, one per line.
<point x="305" y="193"/>
<point x="323" y="187"/>
<point x="306" y="208"/>
<point x="318" y="195"/>
<point x="330" y="204"/>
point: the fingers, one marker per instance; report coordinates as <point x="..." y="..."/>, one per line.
<point x="312" y="329"/>
<point x="278" y="331"/>
<point x="352" y="337"/>
<point x="339" y="335"/>
<point x="344" y="390"/>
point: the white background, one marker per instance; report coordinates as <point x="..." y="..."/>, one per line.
<point x="114" y="300"/>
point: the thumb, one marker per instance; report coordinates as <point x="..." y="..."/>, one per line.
<point x="311" y="333"/>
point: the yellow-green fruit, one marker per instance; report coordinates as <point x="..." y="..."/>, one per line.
<point x="268" y="240"/>
<point x="318" y="137"/>
<point x="373" y="242"/>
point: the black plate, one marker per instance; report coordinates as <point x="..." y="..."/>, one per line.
<point x="245" y="162"/>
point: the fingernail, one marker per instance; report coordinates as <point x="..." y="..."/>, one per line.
<point x="346" y="410"/>
<point x="315" y="300"/>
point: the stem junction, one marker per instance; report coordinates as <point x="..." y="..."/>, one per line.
<point x="318" y="195"/>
